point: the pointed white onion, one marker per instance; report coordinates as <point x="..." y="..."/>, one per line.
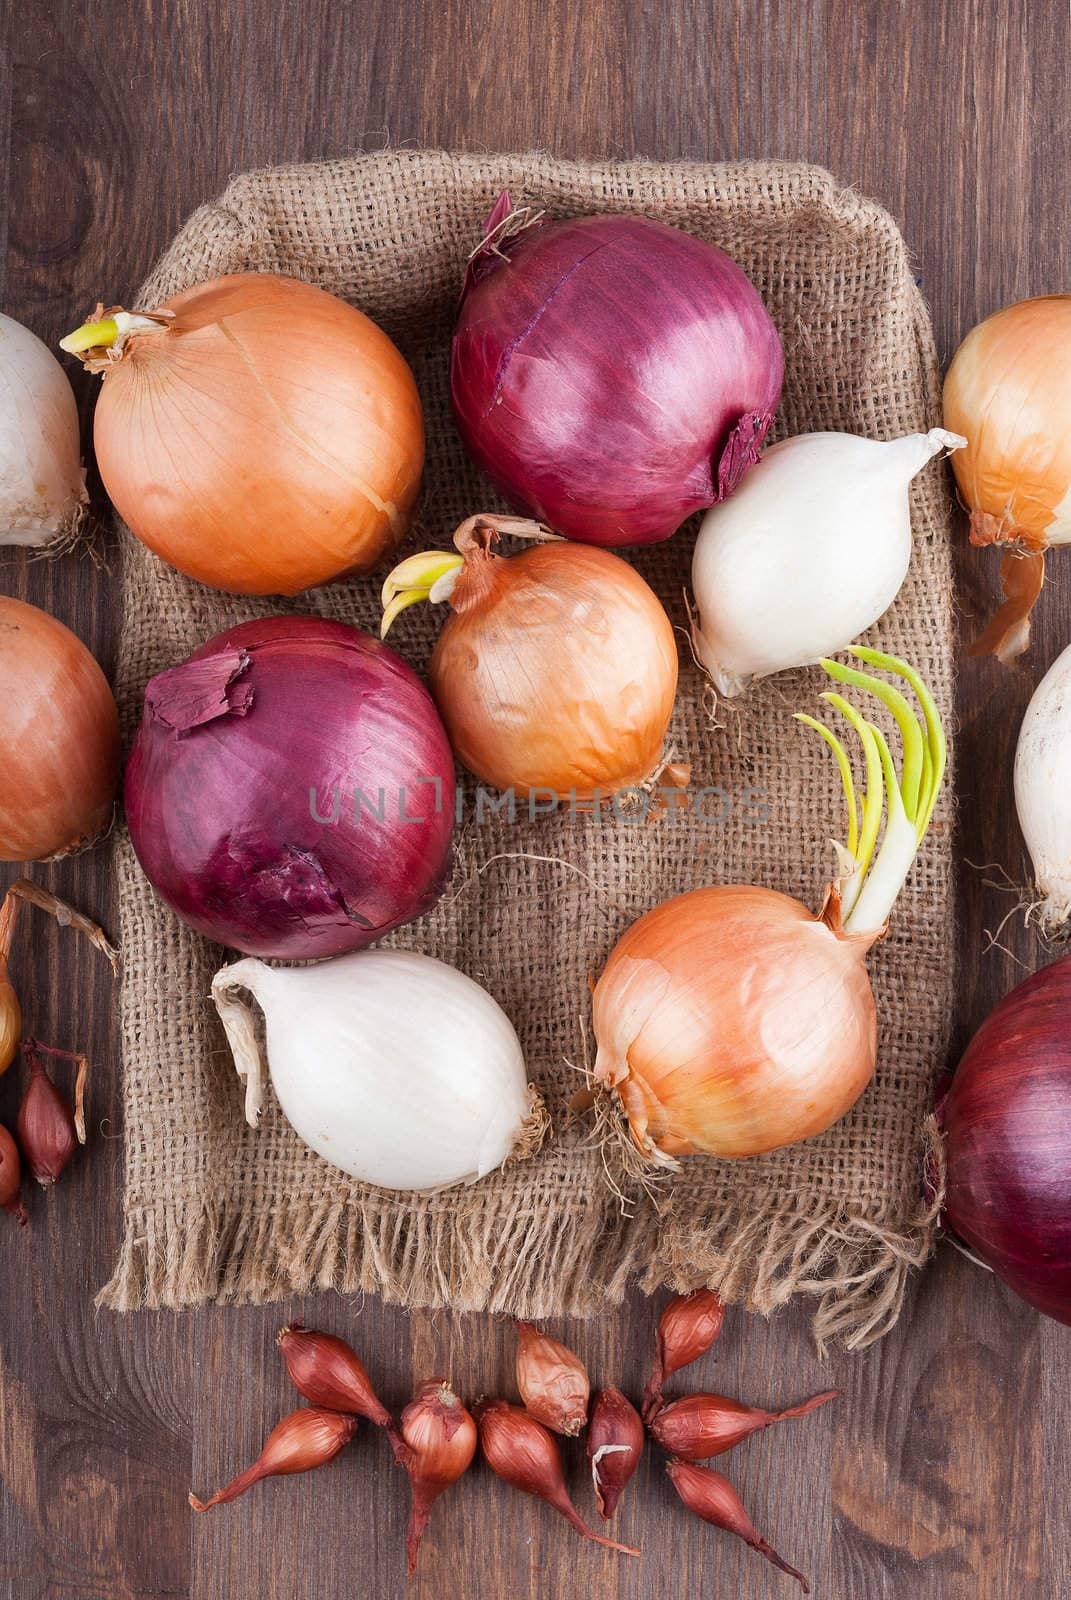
<point x="807" y="554"/>
<point x="42" y="481"/>
<point x="390" y="1065"/>
<point x="1043" y="789"/>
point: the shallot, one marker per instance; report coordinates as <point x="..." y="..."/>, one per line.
<point x="614" y="1445"/>
<point x="688" y="1326"/>
<point x="705" y="1425"/>
<point x="438" y="1444"/>
<point x="552" y="1380"/>
<point x="525" y="1454"/>
<point x="711" y="1496"/>
<point x="300" y="1442"/>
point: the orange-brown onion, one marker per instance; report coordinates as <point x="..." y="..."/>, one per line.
<point x="732" y="1021"/>
<point x="1009" y="391"/>
<point x="266" y="438"/>
<point x="59" y="738"/>
<point x="557" y="671"/>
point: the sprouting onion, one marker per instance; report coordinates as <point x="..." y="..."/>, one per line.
<point x="733" y="1021"/>
<point x="556" y="669"/>
<point x="869" y="890"/>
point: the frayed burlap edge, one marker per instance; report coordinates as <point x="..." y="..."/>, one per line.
<point x="494" y="1262"/>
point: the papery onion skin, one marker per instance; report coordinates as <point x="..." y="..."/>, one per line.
<point x="232" y="781"/>
<point x="1006" y="1122"/>
<point x="557" y="672"/>
<point x="59" y="738"/>
<point x="612" y="375"/>
<point x="391" y="1065"/>
<point x="42" y="480"/>
<point x="732" y="1021"/>
<point x="267" y="439"/>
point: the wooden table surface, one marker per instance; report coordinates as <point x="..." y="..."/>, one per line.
<point x="942" y="1473"/>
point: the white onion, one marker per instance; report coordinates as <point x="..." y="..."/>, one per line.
<point x="807" y="554"/>
<point x="42" y="481"/>
<point x="1043" y="789"/>
<point x="390" y="1065"/>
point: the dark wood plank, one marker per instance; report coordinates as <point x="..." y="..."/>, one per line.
<point x="939" y="1473"/>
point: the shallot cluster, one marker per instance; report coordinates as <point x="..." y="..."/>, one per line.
<point x="49" y="1127"/>
<point x="438" y="1435"/>
<point x="435" y="1442"/>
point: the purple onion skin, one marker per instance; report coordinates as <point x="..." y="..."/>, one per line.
<point x="219" y="778"/>
<point x="612" y="375"/>
<point x="1007" y="1126"/>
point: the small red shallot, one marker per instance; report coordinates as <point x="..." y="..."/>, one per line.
<point x="301" y="1441"/>
<point x="711" y="1496"/>
<point x="49" y="1131"/>
<point x="705" y="1425"/>
<point x="438" y="1444"/>
<point x="553" y="1381"/>
<point x="525" y="1454"/>
<point x="328" y="1372"/>
<point x="687" y="1328"/>
<point x="614" y="1445"/>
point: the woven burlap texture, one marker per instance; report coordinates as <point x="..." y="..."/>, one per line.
<point x="215" y="1211"/>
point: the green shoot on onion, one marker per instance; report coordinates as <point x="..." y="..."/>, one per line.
<point x="905" y="800"/>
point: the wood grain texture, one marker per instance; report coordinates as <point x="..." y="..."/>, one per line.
<point x="940" y="1474"/>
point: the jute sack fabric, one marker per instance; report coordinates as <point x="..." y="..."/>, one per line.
<point x="215" y="1211"/>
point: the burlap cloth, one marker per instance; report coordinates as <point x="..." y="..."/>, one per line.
<point x="214" y="1211"/>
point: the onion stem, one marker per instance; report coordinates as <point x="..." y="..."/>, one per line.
<point x="91" y="336"/>
<point x="906" y="801"/>
<point x="109" y="332"/>
<point x="430" y="575"/>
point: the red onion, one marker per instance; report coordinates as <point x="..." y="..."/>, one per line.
<point x="1007" y="1126"/>
<point x="291" y="789"/>
<point x="610" y="374"/>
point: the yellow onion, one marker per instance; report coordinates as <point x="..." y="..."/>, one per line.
<point x="556" y="672"/>
<point x="1009" y="391"/>
<point x="59" y="738"/>
<point x="730" y="1020"/>
<point x="259" y="434"/>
